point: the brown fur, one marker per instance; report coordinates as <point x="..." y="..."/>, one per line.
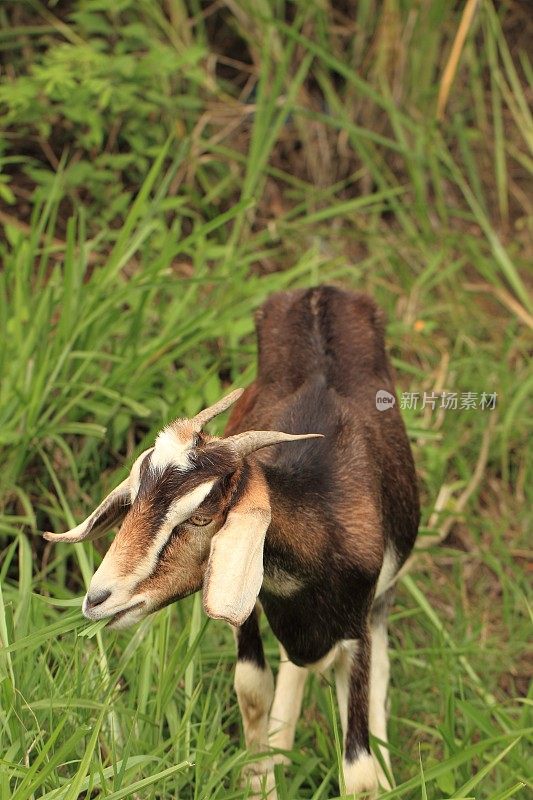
<point x="339" y="502"/>
<point x="357" y="727"/>
<point x="184" y="430"/>
<point x="256" y="496"/>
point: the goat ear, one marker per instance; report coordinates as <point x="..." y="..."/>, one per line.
<point x="234" y="571"/>
<point x="107" y="515"/>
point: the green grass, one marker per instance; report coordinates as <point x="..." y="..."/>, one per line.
<point x="150" y="202"/>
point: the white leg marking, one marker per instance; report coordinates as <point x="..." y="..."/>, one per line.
<point x="388" y="572"/>
<point x="287" y="703"/>
<point x="360" y="775"/>
<point x="255" y="688"/>
<point x="379" y="681"/>
<point x="343" y="667"/>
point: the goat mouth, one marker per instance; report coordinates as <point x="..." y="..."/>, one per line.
<point x="115" y="619"/>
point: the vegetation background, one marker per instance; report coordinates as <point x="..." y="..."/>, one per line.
<point x="165" y="165"/>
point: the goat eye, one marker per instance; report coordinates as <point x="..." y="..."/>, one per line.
<point x="199" y="520"/>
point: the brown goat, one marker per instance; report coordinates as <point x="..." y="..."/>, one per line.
<point x="313" y="531"/>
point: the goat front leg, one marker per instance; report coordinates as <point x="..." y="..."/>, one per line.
<point x="352" y="676"/>
<point x="287" y="705"/>
<point x="254" y="686"/>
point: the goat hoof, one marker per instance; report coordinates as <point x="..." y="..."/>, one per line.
<point x="363" y="793"/>
<point x="360" y="777"/>
<point x="262" y="785"/>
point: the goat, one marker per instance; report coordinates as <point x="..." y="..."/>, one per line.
<point x="310" y="524"/>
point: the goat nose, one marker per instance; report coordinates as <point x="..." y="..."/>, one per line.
<point x="97" y="598"/>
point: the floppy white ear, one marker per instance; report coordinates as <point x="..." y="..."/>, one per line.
<point x="107" y="515"/>
<point x="234" y="573"/>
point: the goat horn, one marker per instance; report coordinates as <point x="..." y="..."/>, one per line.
<point x="207" y="414"/>
<point x="246" y="443"/>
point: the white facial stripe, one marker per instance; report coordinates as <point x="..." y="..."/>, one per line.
<point x="170" y="450"/>
<point x="179" y="511"/>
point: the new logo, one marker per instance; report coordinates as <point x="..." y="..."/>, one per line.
<point x="384" y="400"/>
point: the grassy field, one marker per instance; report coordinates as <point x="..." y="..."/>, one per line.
<point x="164" y="167"/>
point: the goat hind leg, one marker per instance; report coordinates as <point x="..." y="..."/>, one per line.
<point x="352" y="675"/>
<point x="379" y="681"/>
